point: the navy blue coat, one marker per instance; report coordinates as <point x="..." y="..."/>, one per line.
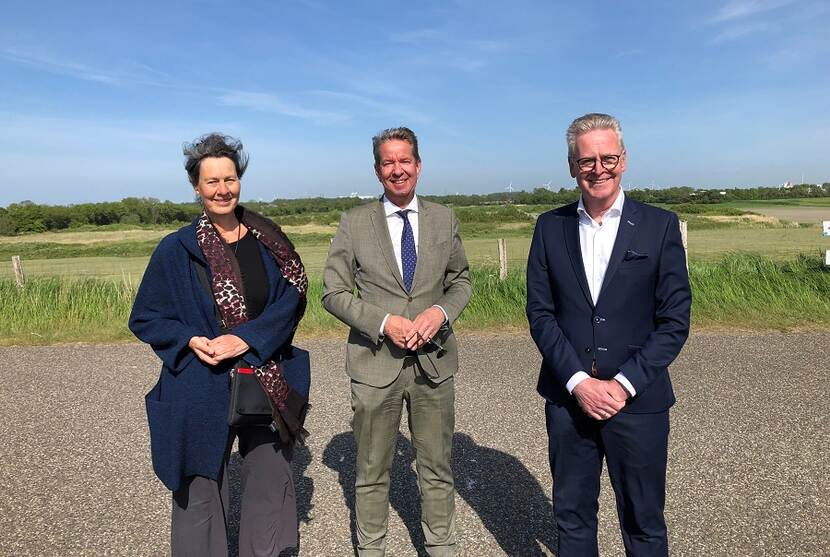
<point x="640" y="320"/>
<point x="187" y="409"/>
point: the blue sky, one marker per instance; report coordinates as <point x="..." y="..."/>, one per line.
<point x="97" y="97"/>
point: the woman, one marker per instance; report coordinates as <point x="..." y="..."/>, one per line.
<point x="228" y="286"/>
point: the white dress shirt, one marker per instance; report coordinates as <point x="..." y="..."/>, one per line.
<point x="395" y="224"/>
<point x="596" y="242"/>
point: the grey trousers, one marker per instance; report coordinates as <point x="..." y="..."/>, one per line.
<point x="268" y="521"/>
<point x="376" y="420"/>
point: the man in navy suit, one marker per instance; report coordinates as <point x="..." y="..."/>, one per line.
<point x="608" y="303"/>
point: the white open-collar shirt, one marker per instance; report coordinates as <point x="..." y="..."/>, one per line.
<point x="596" y="242"/>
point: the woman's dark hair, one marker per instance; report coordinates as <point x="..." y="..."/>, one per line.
<point x="213" y="145"/>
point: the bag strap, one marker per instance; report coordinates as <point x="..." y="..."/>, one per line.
<point x="206" y="285"/>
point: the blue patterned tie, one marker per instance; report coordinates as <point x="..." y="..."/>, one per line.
<point x="408" y="256"/>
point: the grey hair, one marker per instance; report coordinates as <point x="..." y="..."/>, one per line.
<point x="213" y="145"/>
<point x="402" y="134"/>
<point x="590" y="122"/>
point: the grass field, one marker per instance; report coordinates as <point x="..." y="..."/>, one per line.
<point x="713" y="230"/>
<point x="749" y="271"/>
<point x="704" y="245"/>
<point x="743" y="291"/>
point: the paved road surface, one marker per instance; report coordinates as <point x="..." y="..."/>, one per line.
<point x="748" y="470"/>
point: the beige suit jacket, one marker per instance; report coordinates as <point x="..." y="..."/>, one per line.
<point x="362" y="283"/>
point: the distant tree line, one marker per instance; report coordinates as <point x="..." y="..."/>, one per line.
<point x="27" y="217"/>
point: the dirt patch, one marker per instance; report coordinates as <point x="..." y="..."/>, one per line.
<point x="812" y="215"/>
<point x="309" y="229"/>
<point x="754" y="219"/>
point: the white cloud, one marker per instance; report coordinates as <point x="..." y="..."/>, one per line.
<point x="740" y="31"/>
<point x="129" y="74"/>
<point x="377" y="106"/>
<point x="265" y="102"/>
<point x="739" y="9"/>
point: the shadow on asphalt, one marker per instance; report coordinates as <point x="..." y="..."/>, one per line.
<point x="303" y="485"/>
<point x="510" y="502"/>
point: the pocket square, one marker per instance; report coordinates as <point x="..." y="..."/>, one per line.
<point x="632" y="255"/>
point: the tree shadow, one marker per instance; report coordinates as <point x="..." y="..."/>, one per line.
<point x="508" y="499"/>
<point x="303" y="486"/>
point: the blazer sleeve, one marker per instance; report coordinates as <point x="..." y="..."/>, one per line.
<point x="557" y="352"/>
<point x="673" y="302"/>
<point x="339" y="297"/>
<point x="154" y="317"/>
<point x="272" y="328"/>
<point x="457" y="286"/>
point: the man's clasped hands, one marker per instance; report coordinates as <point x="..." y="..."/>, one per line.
<point x="600" y="398"/>
<point x="411" y="335"/>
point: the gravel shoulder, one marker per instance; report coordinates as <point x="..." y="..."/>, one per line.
<point x="748" y="465"/>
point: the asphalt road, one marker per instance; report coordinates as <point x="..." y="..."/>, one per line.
<point x="749" y="468"/>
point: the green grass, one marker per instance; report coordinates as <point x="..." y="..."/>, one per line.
<point x="756" y="292"/>
<point x="744" y="291"/>
<point x="62" y="250"/>
<point x="776" y="243"/>
<point x="128" y="268"/>
<point x="53" y="250"/>
<point x="53" y="310"/>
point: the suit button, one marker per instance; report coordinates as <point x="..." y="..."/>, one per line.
<point x="587" y="349"/>
<point x="596" y="319"/>
<point x="409" y="299"/>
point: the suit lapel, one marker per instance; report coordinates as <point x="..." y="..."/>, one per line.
<point x="571" y="232"/>
<point x="378" y="217"/>
<point x="424" y="239"/>
<point x="629" y="221"/>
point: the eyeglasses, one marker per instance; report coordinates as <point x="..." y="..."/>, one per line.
<point x="608" y="162"/>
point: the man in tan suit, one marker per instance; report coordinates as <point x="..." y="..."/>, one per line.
<point x="404" y="257"/>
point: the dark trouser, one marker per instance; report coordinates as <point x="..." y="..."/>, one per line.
<point x="376" y="420"/>
<point x="268" y="522"/>
<point x="636" y="449"/>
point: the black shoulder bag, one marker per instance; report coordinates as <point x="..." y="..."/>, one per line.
<point x="248" y="404"/>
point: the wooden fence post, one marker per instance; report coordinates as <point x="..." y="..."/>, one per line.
<point x="19" y="277"/>
<point x="684" y="235"/>
<point x="502" y="259"/>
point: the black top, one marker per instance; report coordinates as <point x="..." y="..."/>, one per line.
<point x="254" y="278"/>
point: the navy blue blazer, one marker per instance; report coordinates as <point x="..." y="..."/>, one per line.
<point x="187" y="409"/>
<point x="640" y="320"/>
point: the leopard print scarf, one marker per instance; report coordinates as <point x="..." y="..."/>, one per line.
<point x="226" y="283"/>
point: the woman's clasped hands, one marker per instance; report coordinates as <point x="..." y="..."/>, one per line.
<point x="213" y="351"/>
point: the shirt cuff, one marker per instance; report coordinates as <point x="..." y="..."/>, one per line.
<point x="625" y="383"/>
<point x="575" y="380"/>
<point x="446" y="317"/>
<point x="383" y="324"/>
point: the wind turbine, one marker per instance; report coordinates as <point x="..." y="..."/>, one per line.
<point x="547" y="185"/>
<point x="509" y="187"/>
